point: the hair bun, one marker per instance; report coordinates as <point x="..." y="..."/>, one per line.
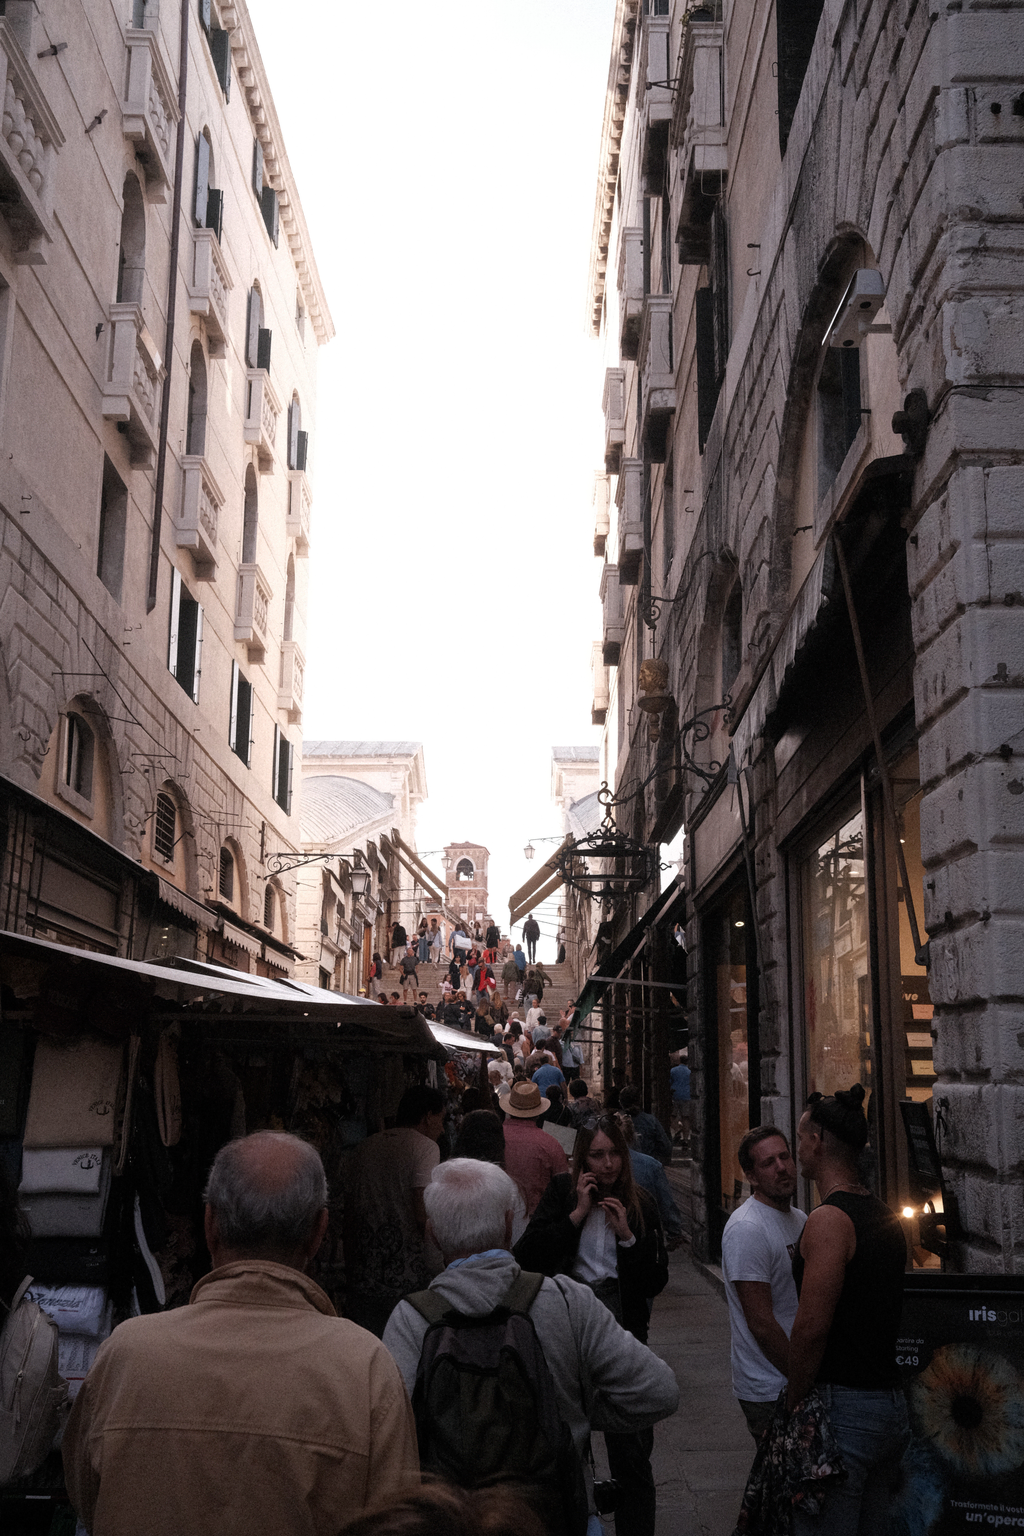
<point x="853" y="1097"/>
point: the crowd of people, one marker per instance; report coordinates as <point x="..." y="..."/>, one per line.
<point x="504" y="1245"/>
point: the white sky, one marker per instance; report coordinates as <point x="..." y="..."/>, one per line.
<point x="447" y="163"/>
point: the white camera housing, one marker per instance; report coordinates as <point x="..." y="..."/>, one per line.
<point x="860" y="304"/>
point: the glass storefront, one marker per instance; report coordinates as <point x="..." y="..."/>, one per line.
<point x="732" y="1001"/>
<point x="837" y="983"/>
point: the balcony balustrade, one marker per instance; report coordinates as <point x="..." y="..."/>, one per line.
<point x="613" y="622"/>
<point x="252" y="610"/>
<point x="30" y="137"/>
<point x="196" y="529"/>
<point x="150" y="111"/>
<point x="613" y="404"/>
<point x="657" y="375"/>
<point x="629" y="498"/>
<point x="262" y="409"/>
<point x="631" y="291"/>
<point x="602" y="512"/>
<point x="293" y="673"/>
<point x="131" y="391"/>
<point x="300" y="508"/>
<point x="209" y="289"/>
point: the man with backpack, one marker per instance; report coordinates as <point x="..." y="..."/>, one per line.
<point x="509" y="1372"/>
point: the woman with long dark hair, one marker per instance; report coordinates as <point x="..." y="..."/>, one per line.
<point x="848" y="1268"/>
<point x="596" y="1225"/>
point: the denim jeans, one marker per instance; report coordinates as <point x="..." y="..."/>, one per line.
<point x="873" y="1432"/>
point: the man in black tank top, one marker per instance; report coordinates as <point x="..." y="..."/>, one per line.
<point x="848" y="1269"/>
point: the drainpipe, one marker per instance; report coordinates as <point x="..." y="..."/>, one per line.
<point x="172" y="304"/>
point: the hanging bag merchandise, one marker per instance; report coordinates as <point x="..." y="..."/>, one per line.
<point x="64" y="1190"/>
<point x="32" y="1393"/>
<point x="73" y="1101"/>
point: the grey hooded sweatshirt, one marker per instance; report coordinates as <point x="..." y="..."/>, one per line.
<point x="604" y="1378"/>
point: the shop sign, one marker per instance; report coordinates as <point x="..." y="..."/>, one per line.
<point x="961" y="1359"/>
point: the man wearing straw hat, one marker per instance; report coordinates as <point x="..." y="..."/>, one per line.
<point x="532" y="1157"/>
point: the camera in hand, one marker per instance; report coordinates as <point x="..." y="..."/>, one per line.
<point x="607" y="1495"/>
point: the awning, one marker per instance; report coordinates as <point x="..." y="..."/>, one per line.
<point x="455" y="1040"/>
<point x="626" y="952"/>
<point x="239" y="938"/>
<point x="229" y="1003"/>
<point x="539" y="886"/>
<point x="194" y="910"/>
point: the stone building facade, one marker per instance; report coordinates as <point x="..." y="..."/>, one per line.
<point x="161" y="318"/>
<point x="811" y="512"/>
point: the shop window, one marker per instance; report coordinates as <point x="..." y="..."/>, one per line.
<point x="257" y="338"/>
<point x="226" y="876"/>
<point x="185" y="648"/>
<point x="195" y="430"/>
<point x="796" y="23"/>
<point x="165" y="827"/>
<point x="283" y="762"/>
<point x="208" y="201"/>
<point x="733" y="1061"/>
<point x="838" y="410"/>
<point x="240" y="728"/>
<point x="79" y="753"/>
<point x="131" y="256"/>
<point x="836" y="964"/>
<point x="113" y="524"/>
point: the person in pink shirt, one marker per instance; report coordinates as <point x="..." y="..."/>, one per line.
<point x="532" y="1157"/>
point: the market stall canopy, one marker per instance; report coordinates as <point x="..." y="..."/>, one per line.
<point x="455" y="1040"/>
<point x="90" y="990"/>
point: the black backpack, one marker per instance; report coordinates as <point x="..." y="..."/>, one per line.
<point x="486" y="1411"/>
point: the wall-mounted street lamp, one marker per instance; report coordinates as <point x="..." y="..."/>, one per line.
<point x="530" y="850"/>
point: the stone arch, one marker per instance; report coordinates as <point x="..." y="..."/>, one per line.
<point x="240" y="897"/>
<point x="101" y="806"/>
<point x="198" y="395"/>
<point x="185" y="865"/>
<point x="131" y="255"/>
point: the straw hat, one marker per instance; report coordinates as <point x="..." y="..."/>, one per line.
<point x="525" y="1102"/>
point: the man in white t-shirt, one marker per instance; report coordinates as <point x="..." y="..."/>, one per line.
<point x="757" y="1261"/>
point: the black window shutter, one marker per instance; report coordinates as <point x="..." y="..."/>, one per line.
<point x="252" y="329"/>
<point x="707" y="383"/>
<point x="215" y="211"/>
<point x="718" y="280"/>
<point x="204" y="14"/>
<point x="301" y="449"/>
<point x="233" y="708"/>
<point x="257" y="167"/>
<point x="289" y="757"/>
<point x="796" y="23"/>
<point x="263" y="349"/>
<point x="220" y="52"/>
<point x="202" y="179"/>
<point x="268" y="201"/>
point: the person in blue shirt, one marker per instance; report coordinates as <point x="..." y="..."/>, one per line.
<point x="650" y="1175"/>
<point x="679" y="1077"/>
<point x="546" y="1075"/>
<point x="651" y="1135"/>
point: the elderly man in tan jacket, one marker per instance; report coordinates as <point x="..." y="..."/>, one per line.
<point x="254" y="1408"/>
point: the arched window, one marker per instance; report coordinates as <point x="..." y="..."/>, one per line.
<point x="165" y="827"/>
<point x="732" y="637"/>
<point x="195" y="436"/>
<point x="297" y="439"/>
<point x="257" y="339"/>
<point x="226" y="876"/>
<point x="131" y="259"/>
<point x="250" y="518"/>
<point x="289" y="600"/>
<point x="268" y="909"/>
<point x="208" y="206"/>
<point x="464" y="869"/>
<point x="79" y="752"/>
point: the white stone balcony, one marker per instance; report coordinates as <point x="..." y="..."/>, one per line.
<point x="613" y="623"/>
<point x="629" y="498"/>
<point x="262" y="409"/>
<point x="631" y="291"/>
<point x="699" y="130"/>
<point x="658" y="91"/>
<point x="300" y="508"/>
<point x="657" y="375"/>
<point x="196" y="528"/>
<point x="252" y="610"/>
<point x="602" y="512"/>
<point x="208" y="291"/>
<point x="613" y="403"/>
<point x="150" y="110"/>
<point x="30" y="137"/>
<point x="131" y="390"/>
<point x="602" y="689"/>
<point x="293" y="673"/>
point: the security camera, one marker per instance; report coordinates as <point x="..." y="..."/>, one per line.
<point x="860" y="304"/>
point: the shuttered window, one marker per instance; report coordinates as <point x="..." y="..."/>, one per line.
<point x="707" y="385"/>
<point x="271" y="213"/>
<point x="796" y="23"/>
<point x="257" y="168"/>
<point x="185" y="642"/>
<point x="220" y="53"/>
<point x="240" y="725"/>
<point x="226" y="877"/>
<point x="268" y="908"/>
<point x="208" y="202"/>
<point x="283" y="771"/>
<point x="165" y="826"/>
